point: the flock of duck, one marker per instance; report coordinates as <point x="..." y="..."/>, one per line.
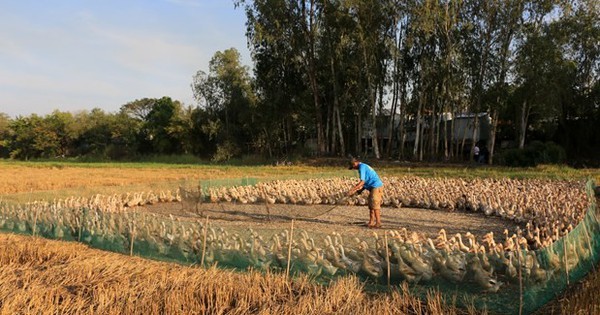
<point x="543" y="210"/>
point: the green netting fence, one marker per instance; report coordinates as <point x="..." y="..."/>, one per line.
<point x="543" y="274"/>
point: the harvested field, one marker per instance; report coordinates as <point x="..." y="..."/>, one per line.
<point x="50" y="277"/>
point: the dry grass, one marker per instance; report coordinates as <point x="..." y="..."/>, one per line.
<point x="580" y="298"/>
<point x="22" y="182"/>
<point x="50" y="277"/>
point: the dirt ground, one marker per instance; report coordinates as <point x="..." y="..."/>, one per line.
<point x="324" y="219"/>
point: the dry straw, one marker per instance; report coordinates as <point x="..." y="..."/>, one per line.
<point x="51" y="277"/>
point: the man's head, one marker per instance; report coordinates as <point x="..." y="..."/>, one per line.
<point x="353" y="163"/>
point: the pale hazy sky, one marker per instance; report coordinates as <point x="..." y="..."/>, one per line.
<point x="80" y="54"/>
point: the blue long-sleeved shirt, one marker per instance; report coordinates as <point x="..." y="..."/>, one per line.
<point x="369" y="176"/>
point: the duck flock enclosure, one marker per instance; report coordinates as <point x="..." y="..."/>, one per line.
<point x="494" y="241"/>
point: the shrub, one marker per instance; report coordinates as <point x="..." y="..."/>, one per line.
<point x="535" y="153"/>
<point x="225" y="152"/>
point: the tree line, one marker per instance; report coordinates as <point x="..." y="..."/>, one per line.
<point x="365" y="77"/>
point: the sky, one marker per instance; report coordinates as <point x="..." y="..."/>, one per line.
<point x="75" y="55"/>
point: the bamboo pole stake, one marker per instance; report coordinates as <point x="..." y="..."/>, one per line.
<point x="37" y="211"/>
<point x="387" y="259"/>
<point x="520" y="277"/>
<point x="80" y="222"/>
<point x="589" y="242"/>
<point x="566" y="258"/>
<point x="132" y="232"/>
<point x="204" y="242"/>
<point x="287" y="269"/>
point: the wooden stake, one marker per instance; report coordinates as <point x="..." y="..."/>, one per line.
<point x="520" y="274"/>
<point x="204" y="242"/>
<point x="566" y="258"/>
<point x="80" y="226"/>
<point x="37" y="210"/>
<point x="287" y="269"/>
<point x="132" y="232"/>
<point x="387" y="259"/>
<point x="589" y="242"/>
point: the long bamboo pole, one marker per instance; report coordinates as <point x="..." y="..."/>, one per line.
<point x="387" y="259"/>
<point x="566" y="258"/>
<point x="204" y="242"/>
<point x="287" y="269"/>
<point x="587" y="238"/>
<point x="520" y="278"/>
<point x="132" y="235"/>
<point x="37" y="211"/>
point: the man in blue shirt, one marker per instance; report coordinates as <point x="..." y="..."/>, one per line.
<point x="370" y="181"/>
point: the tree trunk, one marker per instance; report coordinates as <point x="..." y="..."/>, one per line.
<point x="418" y="129"/>
<point x="401" y="125"/>
<point x="328" y="124"/>
<point x="392" y="119"/>
<point x="309" y="35"/>
<point x="475" y="135"/>
<point x="358" y="135"/>
<point x="523" y="124"/>
<point x="395" y="97"/>
<point x="375" y="143"/>
<point x="340" y="130"/>
<point x="492" y="142"/>
<point x="432" y="129"/>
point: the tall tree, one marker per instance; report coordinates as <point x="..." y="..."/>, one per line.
<point x="227" y="95"/>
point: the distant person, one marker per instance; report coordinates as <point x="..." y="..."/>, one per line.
<point x="476" y="152"/>
<point x="370" y="181"/>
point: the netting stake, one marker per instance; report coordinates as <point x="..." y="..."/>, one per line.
<point x="387" y="259"/>
<point x="589" y="242"/>
<point x="132" y="232"/>
<point x="566" y="258"/>
<point x="287" y="269"/>
<point x="37" y="210"/>
<point x="520" y="277"/>
<point x="204" y="242"/>
<point x="80" y="225"/>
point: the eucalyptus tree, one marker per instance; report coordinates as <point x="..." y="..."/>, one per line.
<point x="374" y="24"/>
<point x="422" y="45"/>
<point x="395" y="42"/>
<point x="289" y="32"/>
<point x="535" y="59"/>
<point x="578" y="33"/>
<point x="480" y="33"/>
<point x="510" y="20"/>
<point x="227" y="95"/>
<point x="451" y="76"/>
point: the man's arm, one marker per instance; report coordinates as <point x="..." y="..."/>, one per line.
<point x="356" y="188"/>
